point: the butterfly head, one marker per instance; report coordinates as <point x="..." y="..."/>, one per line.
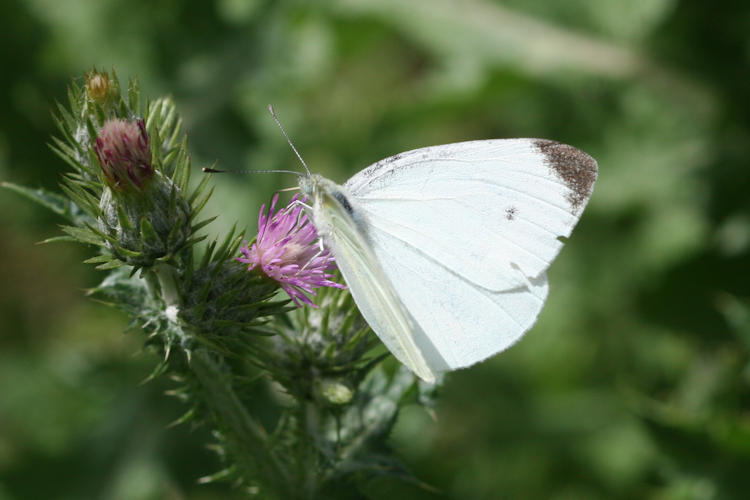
<point x="326" y="197"/>
<point x="308" y="185"/>
<point x="315" y="186"/>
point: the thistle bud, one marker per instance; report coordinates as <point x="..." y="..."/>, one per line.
<point x="100" y="87"/>
<point x="147" y="224"/>
<point x="144" y="212"/>
<point x="124" y="153"/>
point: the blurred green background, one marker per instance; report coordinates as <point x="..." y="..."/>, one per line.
<point x="635" y="383"/>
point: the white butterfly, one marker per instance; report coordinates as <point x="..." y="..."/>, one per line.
<point x="445" y="248"/>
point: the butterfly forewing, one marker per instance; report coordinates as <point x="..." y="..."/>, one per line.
<point x="371" y="289"/>
<point x="464" y="232"/>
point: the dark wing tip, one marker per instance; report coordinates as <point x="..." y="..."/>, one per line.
<point x="575" y="168"/>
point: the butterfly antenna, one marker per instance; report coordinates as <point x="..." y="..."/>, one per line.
<point x="276" y="119"/>
<point x="211" y="170"/>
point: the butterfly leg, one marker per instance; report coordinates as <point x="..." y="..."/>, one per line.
<point x="302" y="213"/>
<point x="312" y="259"/>
<point x="297" y="203"/>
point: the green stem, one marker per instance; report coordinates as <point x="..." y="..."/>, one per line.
<point x="249" y="439"/>
<point x="168" y="283"/>
<point x="309" y="474"/>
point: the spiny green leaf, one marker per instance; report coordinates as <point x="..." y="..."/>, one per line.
<point x="52" y="201"/>
<point x="186" y="417"/>
<point x="127" y="252"/>
<point x="175" y="232"/>
<point x="122" y="218"/>
<point x="200" y="225"/>
<point x="222" y="475"/>
<point x="207" y="340"/>
<point x="67" y="124"/>
<point x="176" y="133"/>
<point x="84" y="235"/>
<point x="194" y="240"/>
<point x="79" y="199"/>
<point x="66" y="157"/>
<point x="93" y="133"/>
<point x="188" y="269"/>
<point x="167" y="161"/>
<point x="202" y="203"/>
<point x="64" y="128"/>
<point x="172" y="210"/>
<point x="123" y="111"/>
<point x="75" y="98"/>
<point x="84" y="183"/>
<point x="82" y="197"/>
<point x="168" y="121"/>
<point x="98" y="259"/>
<point x="112" y="264"/>
<point x="207" y="254"/>
<point x="101" y="234"/>
<point x="246" y="327"/>
<point x="158" y="371"/>
<point x="93" y="167"/>
<point x="56" y="239"/>
<point x="149" y="235"/>
<point x="199" y="189"/>
<point x="232" y="250"/>
<point x="134" y="97"/>
<point x="256" y="306"/>
<point x="182" y="169"/>
<point x="99" y="112"/>
<point x="65" y="148"/>
<point x="220" y="253"/>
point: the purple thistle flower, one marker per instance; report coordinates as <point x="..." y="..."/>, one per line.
<point x="124" y="153"/>
<point x="286" y="251"/>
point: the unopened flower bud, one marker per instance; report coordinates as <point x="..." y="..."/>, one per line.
<point x="124" y="153"/>
<point x="143" y="211"/>
<point x="334" y="392"/>
<point x="99" y="87"/>
<point x="145" y="225"/>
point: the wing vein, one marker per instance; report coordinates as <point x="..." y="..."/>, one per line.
<point x="484" y="181"/>
<point x="381" y="172"/>
<point x="430" y="258"/>
<point x="457" y="200"/>
<point x="373" y="218"/>
<point x="487" y="293"/>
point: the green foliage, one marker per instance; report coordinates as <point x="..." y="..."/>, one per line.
<point x="339" y="394"/>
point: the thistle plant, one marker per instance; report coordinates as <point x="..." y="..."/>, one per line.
<point x="228" y="315"/>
